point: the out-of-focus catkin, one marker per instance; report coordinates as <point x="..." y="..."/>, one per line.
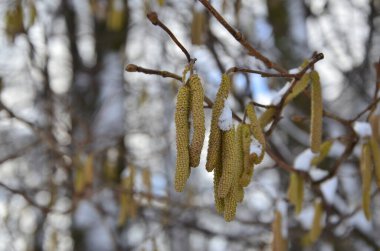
<point x="257" y="133"/>
<point x="295" y="191"/>
<point x="215" y="139"/>
<point x="324" y="151"/>
<point x="228" y="162"/>
<point x="198" y="115"/>
<point x="127" y="207"/>
<point x="316" y="113"/>
<point x="147" y="181"/>
<point x="366" y="172"/>
<point x="376" y="157"/>
<point x="248" y="165"/>
<point x="182" y="138"/>
<point x="279" y="242"/>
<point x="316" y="228"/>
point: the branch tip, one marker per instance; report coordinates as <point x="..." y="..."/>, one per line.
<point x="131" y="68"/>
<point x="153" y="17"/>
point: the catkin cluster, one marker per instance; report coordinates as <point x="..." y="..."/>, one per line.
<point x="189" y="102"/>
<point x="229" y="154"/>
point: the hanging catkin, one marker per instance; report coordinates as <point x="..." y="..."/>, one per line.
<point x="316" y="228"/>
<point x="376" y="157"/>
<point x="127" y="207"/>
<point x="324" y="151"/>
<point x="316" y="113"/>
<point x="295" y="191"/>
<point x="198" y="115"/>
<point x="234" y="194"/>
<point x="256" y="132"/>
<point x="228" y="162"/>
<point x="182" y="138"/>
<point x="219" y="202"/>
<point x="215" y="139"/>
<point x="247" y="172"/>
<point x="279" y="242"/>
<point x="240" y="162"/>
<point x="366" y="172"/>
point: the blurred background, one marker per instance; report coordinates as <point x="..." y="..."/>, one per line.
<point x="76" y="129"/>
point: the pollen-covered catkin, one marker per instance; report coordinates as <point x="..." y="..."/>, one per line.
<point x="219" y="202"/>
<point x="257" y="132"/>
<point x="215" y="139"/>
<point x="198" y="115"/>
<point x="248" y="165"/>
<point x="234" y="195"/>
<point x="366" y="172"/>
<point x="316" y="113"/>
<point x="240" y="162"/>
<point x="182" y="138"/>
<point x="228" y="162"/>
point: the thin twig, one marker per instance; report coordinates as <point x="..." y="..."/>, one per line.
<point x="153" y="17"/>
<point x="166" y="74"/>
<point x="241" y="39"/>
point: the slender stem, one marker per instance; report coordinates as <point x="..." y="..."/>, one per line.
<point x="241" y="39"/>
<point x="153" y="17"/>
<point x="164" y="74"/>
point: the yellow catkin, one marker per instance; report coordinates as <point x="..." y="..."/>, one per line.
<point x="366" y="172"/>
<point x="198" y="115"/>
<point x="234" y="196"/>
<point x="161" y="2"/>
<point x="248" y="165"/>
<point x="14" y="21"/>
<point x="324" y="151"/>
<point x="316" y="228"/>
<point x="215" y="139"/>
<point x="298" y="88"/>
<point x="147" y="181"/>
<point x="316" y="113"/>
<point x="279" y="242"/>
<point x="115" y="15"/>
<point x="256" y="132"/>
<point x="198" y="27"/>
<point x="228" y="162"/>
<point x="267" y="117"/>
<point x="182" y="138"/>
<point x="240" y="163"/>
<point x="89" y="169"/>
<point x="376" y="158"/>
<point x="219" y="202"/>
<point x="295" y="191"/>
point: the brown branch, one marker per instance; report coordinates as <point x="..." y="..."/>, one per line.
<point x="165" y="74"/>
<point x="153" y="17"/>
<point x="241" y="39"/>
<point x="261" y="73"/>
